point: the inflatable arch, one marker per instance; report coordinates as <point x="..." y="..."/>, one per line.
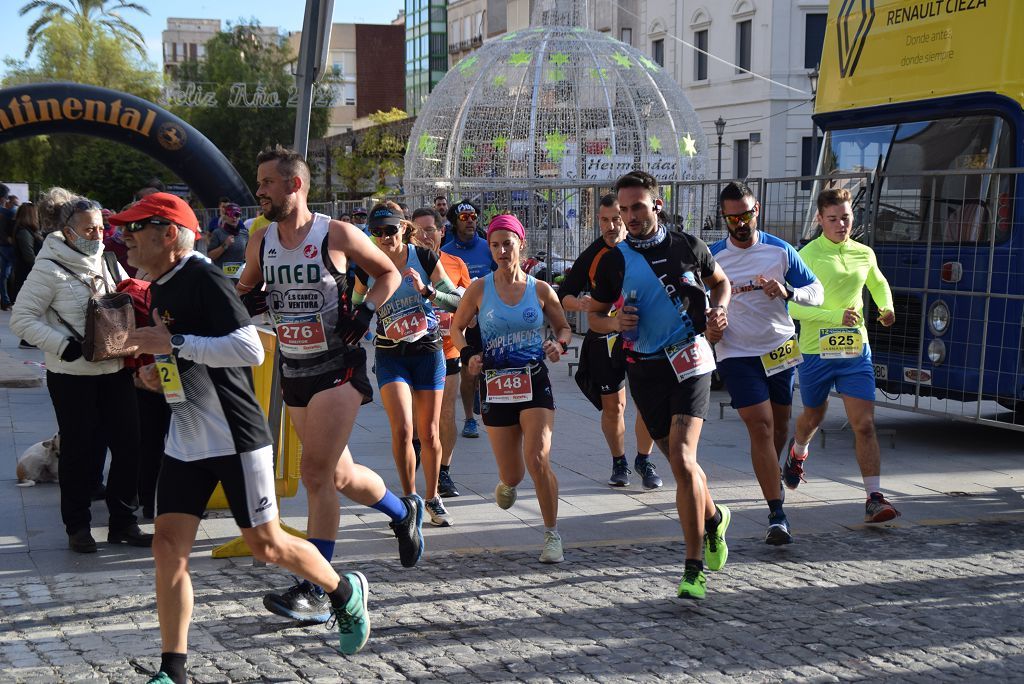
<point x="42" y="108"/>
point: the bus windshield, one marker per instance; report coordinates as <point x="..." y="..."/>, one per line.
<point x="958" y="206"/>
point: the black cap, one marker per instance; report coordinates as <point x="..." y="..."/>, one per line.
<point x="384" y="216"/>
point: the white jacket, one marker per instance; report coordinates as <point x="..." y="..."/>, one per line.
<point x="49" y="287"/>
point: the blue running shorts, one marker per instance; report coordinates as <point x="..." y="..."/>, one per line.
<point x="748" y="384"/>
<point x="419" y="371"/>
<point x="851" y="377"/>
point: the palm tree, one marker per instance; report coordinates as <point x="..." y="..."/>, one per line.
<point x="87" y="14"/>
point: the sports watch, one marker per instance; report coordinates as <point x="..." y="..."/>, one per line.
<point x="177" y="342"/>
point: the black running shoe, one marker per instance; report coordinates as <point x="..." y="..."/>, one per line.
<point x="445" y="485"/>
<point x="302" y="602"/>
<point x="778" y="531"/>
<point x="645" y="469"/>
<point x="620" y="473"/>
<point x="409" y="531"/>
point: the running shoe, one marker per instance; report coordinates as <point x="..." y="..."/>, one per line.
<point x="716" y="551"/>
<point x="793" y="471"/>
<point x="445" y="485"/>
<point x="409" y="531"/>
<point x="470" y="428"/>
<point x="645" y="469"/>
<point x="878" y="510"/>
<point x="620" y="472"/>
<point x="438" y="513"/>
<point x="160" y="678"/>
<point x="354" y="623"/>
<point x="504" y="495"/>
<point x="552" y="552"/>
<point x="694" y="584"/>
<point x="778" y="531"/>
<point x="303" y="602"/>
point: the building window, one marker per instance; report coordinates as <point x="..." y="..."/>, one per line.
<point x="814" y="39"/>
<point x="808" y="159"/>
<point x="743" y="46"/>
<point x="700" y="59"/>
<point x="626" y="36"/>
<point x="740" y="159"/>
<point x="658" y="51"/>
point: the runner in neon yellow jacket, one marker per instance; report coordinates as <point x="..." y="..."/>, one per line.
<point x="844" y="267"/>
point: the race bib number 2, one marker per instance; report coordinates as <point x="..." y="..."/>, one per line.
<point x="840" y="343"/>
<point x="301" y="334"/>
<point x="691" y="359"/>
<point x="785" y="356"/>
<point x="508" y="386"/>
<point x="170" y="379"/>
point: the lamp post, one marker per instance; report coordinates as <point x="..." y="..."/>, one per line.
<point x="720" y="129"/>
<point x="812" y="76"/>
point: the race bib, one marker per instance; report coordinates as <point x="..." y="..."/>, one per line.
<point x="231" y="270"/>
<point x="785" y="356"/>
<point x="840" y="343"/>
<point x="691" y="359"/>
<point x="508" y="386"/>
<point x="407" y="327"/>
<point x="444" y="322"/>
<point x="170" y="380"/>
<point x="301" y="334"/>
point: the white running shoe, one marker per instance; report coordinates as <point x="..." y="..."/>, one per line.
<point x="552" y="552"/>
<point x="504" y="495"/>
<point x="439" y="516"/>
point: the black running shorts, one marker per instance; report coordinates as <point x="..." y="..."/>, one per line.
<point x="658" y="395"/>
<point x="507" y="415"/>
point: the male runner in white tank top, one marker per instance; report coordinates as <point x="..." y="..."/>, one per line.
<point x="303" y="258"/>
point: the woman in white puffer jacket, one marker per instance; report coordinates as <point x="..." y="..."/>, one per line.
<point x="94" y="402"/>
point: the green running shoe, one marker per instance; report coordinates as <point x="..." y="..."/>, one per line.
<point x="354" y="623"/>
<point x="693" y="585"/>
<point x="160" y="678"/>
<point x="716" y="551"/>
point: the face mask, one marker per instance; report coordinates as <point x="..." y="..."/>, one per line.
<point x="88" y="247"/>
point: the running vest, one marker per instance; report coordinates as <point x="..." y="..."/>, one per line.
<point x="407" y="316"/>
<point x="513" y="336"/>
<point x="667" y="305"/>
<point x="305" y="289"/>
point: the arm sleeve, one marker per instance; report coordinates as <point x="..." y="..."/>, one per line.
<point x="807" y="289"/>
<point x="608" y="278"/>
<point x="241" y="347"/>
<point x="448" y="296"/>
<point x="577" y="281"/>
<point x="878" y="286"/>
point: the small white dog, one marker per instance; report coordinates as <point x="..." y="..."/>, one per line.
<point x="39" y="462"/>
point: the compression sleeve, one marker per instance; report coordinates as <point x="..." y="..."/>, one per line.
<point x="808" y="295"/>
<point x="448" y="296"/>
<point x="241" y="347"/>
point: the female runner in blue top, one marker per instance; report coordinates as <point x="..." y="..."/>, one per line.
<point x="515" y="395"/>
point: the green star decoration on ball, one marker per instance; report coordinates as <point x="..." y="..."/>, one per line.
<point x="651" y="66"/>
<point x="426" y="145"/>
<point x="500" y="143"/>
<point x="599" y="74"/>
<point x="555" y="145"/>
<point x="521" y="58"/>
<point x="468" y="152"/>
<point x="622" y="60"/>
<point x="500" y="80"/>
<point x="559" y="58"/>
<point x="654" y="143"/>
<point x="468" y="64"/>
<point x="688" y="146"/>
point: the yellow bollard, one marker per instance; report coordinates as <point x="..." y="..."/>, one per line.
<point x="286" y="476"/>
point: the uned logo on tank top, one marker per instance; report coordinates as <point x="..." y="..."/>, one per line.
<point x="311" y="251"/>
<point x="530" y="314"/>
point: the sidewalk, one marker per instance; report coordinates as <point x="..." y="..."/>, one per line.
<point x="935" y="594"/>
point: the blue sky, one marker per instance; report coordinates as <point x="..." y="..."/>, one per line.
<point x="285" y="14"/>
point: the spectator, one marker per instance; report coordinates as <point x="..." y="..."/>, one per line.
<point x="28" y="238"/>
<point x="94" y="401"/>
<point x="227" y="243"/>
<point x="359" y="219"/>
<point x="6" y="246"/>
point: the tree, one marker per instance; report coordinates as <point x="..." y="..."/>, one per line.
<point x="90" y="16"/>
<point x="241" y="129"/>
<point x="380" y="153"/>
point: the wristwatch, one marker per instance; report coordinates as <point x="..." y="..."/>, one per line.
<point x="370" y="305"/>
<point x="428" y="291"/>
<point x="789" y="291"/>
<point x="177" y="342"/>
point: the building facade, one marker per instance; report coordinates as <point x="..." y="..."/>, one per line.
<point x="184" y="40"/>
<point x="426" y="49"/>
<point x="768" y="130"/>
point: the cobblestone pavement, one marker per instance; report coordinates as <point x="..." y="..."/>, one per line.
<point x="909" y="603"/>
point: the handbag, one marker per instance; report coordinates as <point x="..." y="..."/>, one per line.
<point x="109" y="320"/>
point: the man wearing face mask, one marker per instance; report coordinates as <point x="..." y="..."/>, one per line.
<point x="227" y="243"/>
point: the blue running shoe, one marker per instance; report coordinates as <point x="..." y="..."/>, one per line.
<point x="778" y="531"/>
<point x="470" y="429"/>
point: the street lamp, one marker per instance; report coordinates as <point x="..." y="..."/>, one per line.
<point x="720" y="129"/>
<point x="812" y="76"/>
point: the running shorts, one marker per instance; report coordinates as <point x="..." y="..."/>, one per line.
<point x="850" y="377"/>
<point x="607" y="372"/>
<point x="658" y="395"/>
<point x="507" y="415"/>
<point x="298" y="392"/>
<point x="749" y="385"/>
<point x="419" y="371"/>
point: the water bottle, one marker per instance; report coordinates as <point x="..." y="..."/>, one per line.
<point x="631" y="335"/>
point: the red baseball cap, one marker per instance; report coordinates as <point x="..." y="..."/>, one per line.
<point x="162" y="204"/>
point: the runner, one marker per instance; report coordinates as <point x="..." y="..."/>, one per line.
<point x="430" y="233"/>
<point x="468" y="245"/>
<point x="835" y="346"/>
<point x="303" y="258"/>
<point x="758" y="353"/>
<point x="602" y="354"/>
<point x="218" y="433"/>
<point x="662" y="274"/>
<point x="516" y="402"/>
<point x="227" y="243"/>
<point x="409" y="361"/>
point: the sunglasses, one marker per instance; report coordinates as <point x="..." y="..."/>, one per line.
<point x="136" y="226"/>
<point x="738" y="219"/>
<point x="384" y="231"/>
<point x="467" y="216"/>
